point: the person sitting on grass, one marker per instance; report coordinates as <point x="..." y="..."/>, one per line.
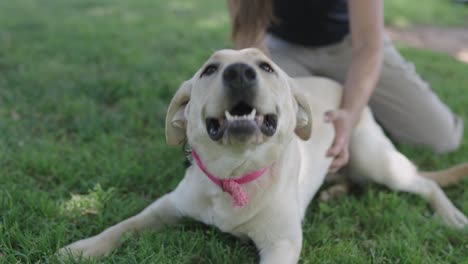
<point x="345" y="41"/>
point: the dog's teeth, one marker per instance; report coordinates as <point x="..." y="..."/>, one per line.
<point x="252" y="114"/>
<point x="259" y="119"/>
<point x="229" y="117"/>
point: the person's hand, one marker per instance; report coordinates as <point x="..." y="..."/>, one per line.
<point x="343" y="123"/>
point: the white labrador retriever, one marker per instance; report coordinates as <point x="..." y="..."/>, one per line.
<point x="258" y="141"/>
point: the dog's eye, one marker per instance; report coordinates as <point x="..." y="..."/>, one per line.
<point x="266" y="67"/>
<point x="210" y="69"/>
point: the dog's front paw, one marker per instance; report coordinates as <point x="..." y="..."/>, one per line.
<point x="96" y="246"/>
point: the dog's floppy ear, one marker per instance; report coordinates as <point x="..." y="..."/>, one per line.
<point x="303" y="112"/>
<point x="176" y="121"/>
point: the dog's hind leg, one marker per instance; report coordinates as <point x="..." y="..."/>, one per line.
<point x="161" y="212"/>
<point x="374" y="157"/>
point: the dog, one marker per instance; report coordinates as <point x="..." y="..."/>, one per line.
<point x="258" y="142"/>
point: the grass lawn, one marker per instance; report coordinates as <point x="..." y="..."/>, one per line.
<point x="83" y="90"/>
<point x="404" y="13"/>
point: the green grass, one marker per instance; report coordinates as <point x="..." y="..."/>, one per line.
<point x="404" y="13"/>
<point x="83" y="90"/>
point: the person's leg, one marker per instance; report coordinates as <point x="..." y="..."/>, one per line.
<point x="285" y="56"/>
<point x="409" y="110"/>
<point x="402" y="103"/>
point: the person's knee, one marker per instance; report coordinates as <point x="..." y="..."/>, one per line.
<point x="450" y="140"/>
<point x="444" y="138"/>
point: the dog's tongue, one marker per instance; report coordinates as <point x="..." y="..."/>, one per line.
<point x="239" y="197"/>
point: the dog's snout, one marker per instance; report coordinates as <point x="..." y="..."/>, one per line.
<point x="239" y="75"/>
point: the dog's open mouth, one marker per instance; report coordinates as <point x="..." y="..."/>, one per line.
<point x="242" y="123"/>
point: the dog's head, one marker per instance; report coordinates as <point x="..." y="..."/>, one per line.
<point x="239" y="100"/>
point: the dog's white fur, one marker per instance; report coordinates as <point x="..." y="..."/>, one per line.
<point x="278" y="200"/>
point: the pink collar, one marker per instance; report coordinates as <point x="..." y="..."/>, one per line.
<point x="232" y="186"/>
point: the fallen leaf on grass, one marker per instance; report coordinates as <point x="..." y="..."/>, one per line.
<point x="15" y="116"/>
<point x="462" y="55"/>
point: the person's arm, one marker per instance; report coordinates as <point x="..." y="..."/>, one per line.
<point x="249" y="21"/>
<point x="366" y="22"/>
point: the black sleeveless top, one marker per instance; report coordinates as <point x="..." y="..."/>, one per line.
<point x="311" y="22"/>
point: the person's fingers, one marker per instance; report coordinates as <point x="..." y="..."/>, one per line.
<point x="331" y="116"/>
<point x="333" y="169"/>
<point x="340" y="161"/>
<point x="335" y="149"/>
<point x="337" y="146"/>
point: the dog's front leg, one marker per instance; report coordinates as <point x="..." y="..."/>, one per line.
<point x="283" y="251"/>
<point x="278" y="241"/>
<point x="162" y="212"/>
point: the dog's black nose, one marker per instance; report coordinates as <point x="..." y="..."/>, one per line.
<point x="240" y="81"/>
<point x="239" y="75"/>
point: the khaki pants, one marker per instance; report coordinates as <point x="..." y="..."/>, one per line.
<point x="402" y="103"/>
